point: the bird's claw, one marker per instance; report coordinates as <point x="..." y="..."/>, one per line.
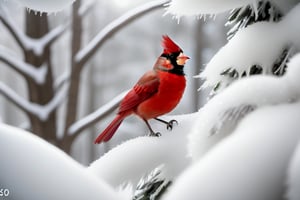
<point x="153" y="134"/>
<point x="171" y="123"/>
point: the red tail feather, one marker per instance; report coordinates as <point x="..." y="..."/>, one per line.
<point x="110" y="130"/>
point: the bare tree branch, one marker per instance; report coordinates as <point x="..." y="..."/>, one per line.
<point x="17" y="100"/>
<point x="25" y="69"/>
<point x="94" y="117"/>
<point x="42" y="112"/>
<point x="89" y="50"/>
<point x="61" y="80"/>
<point x="40" y="44"/>
<point x="85" y="8"/>
<point x="11" y="26"/>
<point x="27" y="43"/>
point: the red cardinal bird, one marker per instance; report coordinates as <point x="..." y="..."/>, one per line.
<point x="156" y="93"/>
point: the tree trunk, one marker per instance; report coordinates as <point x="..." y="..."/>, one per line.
<point x="198" y="62"/>
<point x="75" y="68"/>
<point x="36" y="27"/>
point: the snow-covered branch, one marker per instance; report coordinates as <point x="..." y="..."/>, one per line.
<point x="254" y="158"/>
<point x="141" y="155"/>
<point x="27" y="43"/>
<point x="252" y="93"/>
<point x="12" y="27"/>
<point x="37" y="74"/>
<point x="94" y="117"/>
<point x="251" y="45"/>
<point x="202" y="7"/>
<point x="41" y="111"/>
<point x="61" y="80"/>
<point x="19" y="101"/>
<point x="40" y="44"/>
<point x="88" y="51"/>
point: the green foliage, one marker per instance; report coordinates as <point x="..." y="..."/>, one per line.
<point x="242" y="17"/>
<point x="151" y="187"/>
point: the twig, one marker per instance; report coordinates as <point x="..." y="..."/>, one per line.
<point x="94" y="117"/>
<point x="89" y="50"/>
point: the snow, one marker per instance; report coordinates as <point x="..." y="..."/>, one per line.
<point x="249" y="164"/>
<point x="240" y="145"/>
<point x="37" y="74"/>
<point x="251" y="45"/>
<point x="202" y="7"/>
<point x="34" y="169"/>
<point x="247" y="91"/>
<point x="46" y="5"/>
<point x="285" y="6"/>
<point x="293" y="181"/>
<point x="135" y="158"/>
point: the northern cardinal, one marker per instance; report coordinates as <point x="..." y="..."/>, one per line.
<point x="156" y="93"/>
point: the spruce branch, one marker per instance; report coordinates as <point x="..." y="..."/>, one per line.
<point x="152" y="186"/>
<point x="278" y="69"/>
<point x="242" y="17"/>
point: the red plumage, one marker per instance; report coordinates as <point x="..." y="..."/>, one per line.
<point x="169" y="46"/>
<point x="157" y="92"/>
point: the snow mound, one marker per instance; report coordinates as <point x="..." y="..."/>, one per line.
<point x="33" y="169"/>
<point x="249" y="164"/>
<point x="135" y="158"/>
<point x="293" y="183"/>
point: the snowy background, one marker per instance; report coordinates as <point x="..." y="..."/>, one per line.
<point x="241" y="144"/>
<point x="98" y="86"/>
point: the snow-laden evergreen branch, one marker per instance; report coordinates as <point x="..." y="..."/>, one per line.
<point x="202" y="7"/>
<point x="151" y="186"/>
<point x="251" y="93"/>
<point x="88" y="51"/>
<point x="255" y="45"/>
<point x="242" y="17"/>
<point x="31" y="44"/>
<point x="40" y="111"/>
<point x="249" y="164"/>
<point x="27" y="70"/>
<point x="96" y="116"/>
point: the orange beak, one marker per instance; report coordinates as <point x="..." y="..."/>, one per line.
<point x="181" y="59"/>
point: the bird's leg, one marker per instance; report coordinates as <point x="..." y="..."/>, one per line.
<point x="152" y="133"/>
<point x="169" y="123"/>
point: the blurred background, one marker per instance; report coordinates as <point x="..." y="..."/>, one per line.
<point x="114" y="67"/>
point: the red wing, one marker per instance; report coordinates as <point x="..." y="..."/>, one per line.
<point x="146" y="87"/>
